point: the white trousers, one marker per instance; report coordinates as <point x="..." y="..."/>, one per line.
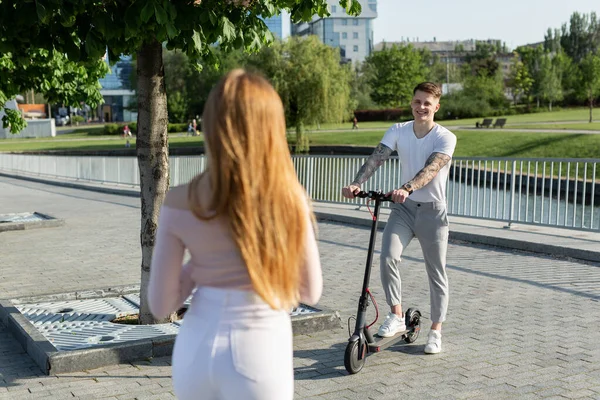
<point x="232" y="345"/>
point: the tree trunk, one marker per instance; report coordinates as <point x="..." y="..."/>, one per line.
<point x="591" y="107"/>
<point x="152" y="151"/>
<point x="550" y="106"/>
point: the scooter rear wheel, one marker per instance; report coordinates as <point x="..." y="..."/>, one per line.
<point x="351" y="362"/>
<point x="413" y="324"/>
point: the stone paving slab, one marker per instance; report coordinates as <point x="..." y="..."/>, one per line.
<point x="520" y="325"/>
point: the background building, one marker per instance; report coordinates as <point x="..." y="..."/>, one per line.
<point x="352" y="35"/>
<point x="454" y="52"/>
<point x="117" y="92"/>
<point x="275" y="25"/>
<point x="279" y="25"/>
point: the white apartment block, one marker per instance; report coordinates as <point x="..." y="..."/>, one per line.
<point x="352" y="35"/>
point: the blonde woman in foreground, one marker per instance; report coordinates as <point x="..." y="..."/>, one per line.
<point x="248" y="227"/>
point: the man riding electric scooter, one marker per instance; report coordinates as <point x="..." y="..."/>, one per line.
<point x="419" y="210"/>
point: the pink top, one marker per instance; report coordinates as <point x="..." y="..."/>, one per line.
<point x="214" y="261"/>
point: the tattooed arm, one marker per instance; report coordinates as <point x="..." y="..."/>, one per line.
<point x="375" y="160"/>
<point x="434" y="163"/>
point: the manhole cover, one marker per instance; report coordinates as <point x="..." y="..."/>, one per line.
<point x="22" y="217"/>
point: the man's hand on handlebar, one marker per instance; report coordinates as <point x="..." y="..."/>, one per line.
<point x="398" y="195"/>
<point x="350" y="191"/>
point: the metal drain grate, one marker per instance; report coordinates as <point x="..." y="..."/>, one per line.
<point x="78" y="310"/>
<point x="84" y="334"/>
<point x="21" y="217"/>
<point x="303" y="309"/>
<point x="79" y="324"/>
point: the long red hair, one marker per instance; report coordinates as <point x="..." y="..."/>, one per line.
<point x="254" y="184"/>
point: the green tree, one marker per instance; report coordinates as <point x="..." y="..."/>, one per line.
<point x="177" y="73"/>
<point x="199" y="83"/>
<point x="550" y="80"/>
<point x="490" y="89"/>
<point x="531" y="57"/>
<point x="482" y="61"/>
<point x="312" y="84"/>
<point x="393" y="72"/>
<point x="360" y="90"/>
<point x="581" y="37"/>
<point x="85" y="29"/>
<point x="46" y="72"/>
<point x="590" y="79"/>
<point x="519" y="80"/>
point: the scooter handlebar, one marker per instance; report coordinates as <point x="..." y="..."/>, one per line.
<point x="373" y="195"/>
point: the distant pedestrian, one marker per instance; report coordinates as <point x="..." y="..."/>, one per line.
<point x="355" y="123"/>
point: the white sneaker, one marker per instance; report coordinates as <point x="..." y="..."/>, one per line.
<point x="434" y="342"/>
<point x="392" y="325"/>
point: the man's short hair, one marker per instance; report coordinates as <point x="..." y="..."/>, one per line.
<point x="429" y="87"/>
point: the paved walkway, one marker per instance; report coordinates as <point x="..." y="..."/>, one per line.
<point x="520" y="325"/>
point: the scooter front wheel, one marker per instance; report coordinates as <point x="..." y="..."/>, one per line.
<point x="351" y="362"/>
<point x="413" y="324"/>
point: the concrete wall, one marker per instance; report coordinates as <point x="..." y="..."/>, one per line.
<point x="36" y="128"/>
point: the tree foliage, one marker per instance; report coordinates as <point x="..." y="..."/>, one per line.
<point x="590" y="79"/>
<point x="519" y="80"/>
<point x="50" y="73"/>
<point x="393" y="72"/>
<point x="312" y="84"/>
<point x="550" y="79"/>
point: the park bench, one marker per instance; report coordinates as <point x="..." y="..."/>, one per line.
<point x="487" y="122"/>
<point x="500" y="123"/>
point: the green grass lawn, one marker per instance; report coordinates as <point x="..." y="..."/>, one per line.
<point x="471" y="143"/>
<point x="576" y="114"/>
<point x="579" y="126"/>
<point x="501" y="143"/>
<point x="505" y="142"/>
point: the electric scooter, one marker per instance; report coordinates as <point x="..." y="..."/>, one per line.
<point x="363" y="341"/>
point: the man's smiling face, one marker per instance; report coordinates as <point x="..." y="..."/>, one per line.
<point x="424" y="106"/>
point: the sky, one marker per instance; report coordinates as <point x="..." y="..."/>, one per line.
<point x="515" y="22"/>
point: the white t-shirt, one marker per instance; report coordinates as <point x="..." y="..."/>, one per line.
<point x="414" y="152"/>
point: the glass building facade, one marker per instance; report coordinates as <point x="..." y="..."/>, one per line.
<point x="117" y="92"/>
<point x="275" y="25"/>
<point x="119" y="76"/>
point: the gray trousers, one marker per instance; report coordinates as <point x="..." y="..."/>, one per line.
<point x="428" y="222"/>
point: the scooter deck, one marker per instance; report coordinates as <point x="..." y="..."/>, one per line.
<point x="382" y="343"/>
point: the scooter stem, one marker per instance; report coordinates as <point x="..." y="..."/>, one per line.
<point x="364" y="297"/>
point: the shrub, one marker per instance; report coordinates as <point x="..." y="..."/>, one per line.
<point x="389" y="114"/>
<point x="459" y="106"/>
<point x="176" y="128"/>
<point x="112" y="129"/>
<point x="77" y="119"/>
